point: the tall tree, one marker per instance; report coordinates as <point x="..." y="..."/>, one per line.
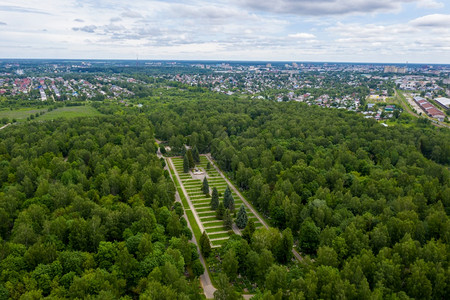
<point x="205" y="245"/>
<point x="227" y="220"/>
<point x="205" y="186"/>
<point x="190" y="158"/>
<point x="241" y="218"/>
<point x="284" y="249"/>
<point x="230" y="264"/>
<point x="220" y="211"/>
<point x="214" y="199"/>
<point x="195" y="154"/>
<point x="225" y="291"/>
<point x="185" y="164"/>
<point x="248" y="231"/>
<point x="309" y="237"/>
<point x="228" y="200"/>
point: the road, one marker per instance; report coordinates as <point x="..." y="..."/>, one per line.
<point x="4" y="126"/>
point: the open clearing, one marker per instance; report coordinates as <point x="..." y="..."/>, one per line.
<point x="22" y="114"/>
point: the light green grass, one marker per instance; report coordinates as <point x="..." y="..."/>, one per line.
<point x="20" y="114"/>
<point x="212" y="224"/>
<point x="70" y="112"/>
<point x="206" y="219"/>
<point x="218" y="242"/>
<point x="202" y="210"/>
<point x="214" y="230"/>
<point x="207" y="214"/>
<point x="218" y="235"/>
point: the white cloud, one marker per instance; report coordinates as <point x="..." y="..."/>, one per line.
<point x="218" y="29"/>
<point x="430" y="4"/>
<point x="436" y="20"/>
<point x="325" y="7"/>
<point x="302" y="35"/>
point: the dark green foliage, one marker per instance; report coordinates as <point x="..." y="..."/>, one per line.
<point x="248" y="231"/>
<point x="197" y="268"/>
<point x="195" y="155"/>
<point x="228" y="200"/>
<point x="190" y="158"/>
<point x="230" y="264"/>
<point x="205" y="245"/>
<point x="225" y="290"/>
<point x="83" y="213"/>
<point x="309" y="237"/>
<point x="227" y="219"/>
<point x="185" y="164"/>
<point x="241" y="218"/>
<point x="284" y="248"/>
<point x="205" y="186"/>
<point x="220" y="211"/>
<point x="214" y="199"/>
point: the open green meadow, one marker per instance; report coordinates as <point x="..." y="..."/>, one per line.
<point x="21" y="115"/>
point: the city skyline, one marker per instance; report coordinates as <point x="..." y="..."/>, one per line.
<point x="417" y="31"/>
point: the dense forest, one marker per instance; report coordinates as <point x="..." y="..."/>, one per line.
<point x="367" y="206"/>
<point x="87" y="211"/>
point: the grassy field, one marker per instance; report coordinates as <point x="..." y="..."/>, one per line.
<point x="22" y="114"/>
<point x="70" y="112"/>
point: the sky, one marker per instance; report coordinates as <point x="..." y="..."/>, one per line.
<point x="374" y="31"/>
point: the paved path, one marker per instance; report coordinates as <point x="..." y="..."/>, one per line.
<point x="208" y="156"/>
<point x="205" y="280"/>
<point x="4" y="126"/>
<point x="191" y="206"/>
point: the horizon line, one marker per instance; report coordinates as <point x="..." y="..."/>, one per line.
<point x="225" y="60"/>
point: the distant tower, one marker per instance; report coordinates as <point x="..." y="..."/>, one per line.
<point x="137" y="60"/>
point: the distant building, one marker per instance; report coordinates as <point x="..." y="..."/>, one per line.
<point x="430" y="109"/>
<point x="444" y="102"/>
<point x="394" y="69"/>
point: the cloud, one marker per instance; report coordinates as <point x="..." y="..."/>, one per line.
<point x="430" y="4"/>
<point x="435" y="20"/>
<point x="79" y="20"/>
<point x="131" y="14"/>
<point x="19" y="9"/>
<point x="3" y="24"/>
<point x="401" y="40"/>
<point x="88" y="28"/>
<point x="302" y="35"/>
<point x="115" y="19"/>
<point x="324" y="7"/>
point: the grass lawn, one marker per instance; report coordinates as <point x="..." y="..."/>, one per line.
<point x="206" y="219"/>
<point x="213" y="230"/>
<point x="194" y="225"/>
<point x="70" y="112"/>
<point x="218" y="242"/>
<point x="207" y="214"/>
<point x="212" y="224"/>
<point x="218" y="235"/>
<point x="20" y="114"/>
